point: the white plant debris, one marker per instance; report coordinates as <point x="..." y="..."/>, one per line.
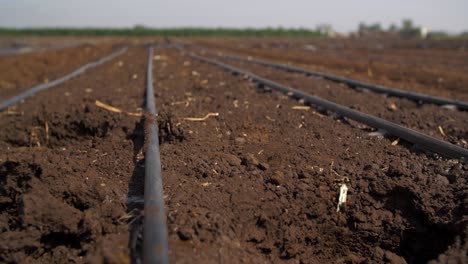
<point x="449" y="107"/>
<point x="379" y="133"/>
<point x="342" y="196"/>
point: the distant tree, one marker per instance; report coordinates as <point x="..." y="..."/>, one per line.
<point x="139" y="27"/>
<point x="407" y="24"/>
<point x="393" y="28"/>
<point x="371" y="29"/>
<point x="408" y="30"/>
<point x="375" y="27"/>
<point x="362" y="27"/>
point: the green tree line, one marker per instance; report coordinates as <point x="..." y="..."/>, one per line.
<point x="173" y="32"/>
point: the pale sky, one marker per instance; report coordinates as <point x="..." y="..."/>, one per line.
<point x="343" y="15"/>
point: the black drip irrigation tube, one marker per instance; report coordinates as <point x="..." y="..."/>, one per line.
<point x="16" y="51"/>
<point x="419" y="97"/>
<point x="28" y="49"/>
<point x="44" y="86"/>
<point x="422" y="140"/>
<point x="155" y="245"/>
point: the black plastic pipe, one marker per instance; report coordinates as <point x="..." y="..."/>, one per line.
<point x="422" y="140"/>
<point x="155" y="245"/>
<point x="372" y="87"/>
<point x="44" y="86"/>
<point x="27" y="49"/>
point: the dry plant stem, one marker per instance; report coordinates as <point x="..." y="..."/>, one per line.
<point x="195" y="119"/>
<point x="301" y="107"/>
<point x="115" y="109"/>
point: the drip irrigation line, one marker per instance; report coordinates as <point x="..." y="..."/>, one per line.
<point x="28" y="49"/>
<point x="16" y="51"/>
<point x="44" y="86"/>
<point x="419" y="97"/>
<point x="422" y="140"/>
<point x="155" y="245"/>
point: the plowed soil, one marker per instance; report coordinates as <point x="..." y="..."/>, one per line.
<point x="254" y="180"/>
<point x="20" y="72"/>
<point x="433" y="67"/>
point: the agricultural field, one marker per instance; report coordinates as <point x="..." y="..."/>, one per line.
<point x="257" y="165"/>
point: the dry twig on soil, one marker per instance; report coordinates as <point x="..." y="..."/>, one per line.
<point x="441" y="130"/>
<point x="114" y="109"/>
<point x="395" y="142"/>
<point x="201" y="118"/>
<point x="301" y="107"/>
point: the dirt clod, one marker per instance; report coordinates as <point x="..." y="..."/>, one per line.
<point x="277" y="178"/>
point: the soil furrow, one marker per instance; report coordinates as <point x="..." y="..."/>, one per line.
<point x="20" y="72"/>
<point x="70" y="171"/>
<point x="258" y="183"/>
<point x="445" y="124"/>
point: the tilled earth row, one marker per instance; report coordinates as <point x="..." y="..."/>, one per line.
<point x="443" y="123"/>
<point x="258" y="183"/>
<point x="422" y="70"/>
<point x="247" y="177"/>
<point x="66" y="167"/>
<point x="20" y="72"/>
<point x="425" y="54"/>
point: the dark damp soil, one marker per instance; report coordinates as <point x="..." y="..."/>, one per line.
<point x="254" y="182"/>
<point x="66" y="167"/>
<point x="264" y="179"/>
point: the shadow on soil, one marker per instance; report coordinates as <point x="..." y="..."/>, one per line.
<point x="135" y="196"/>
<point x="423" y="240"/>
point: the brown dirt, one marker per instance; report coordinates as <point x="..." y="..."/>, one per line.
<point x="256" y="184"/>
<point x="258" y="193"/>
<point x="65" y="193"/>
<point x="425" y="118"/>
<point x="19" y="73"/>
<point x="437" y="71"/>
